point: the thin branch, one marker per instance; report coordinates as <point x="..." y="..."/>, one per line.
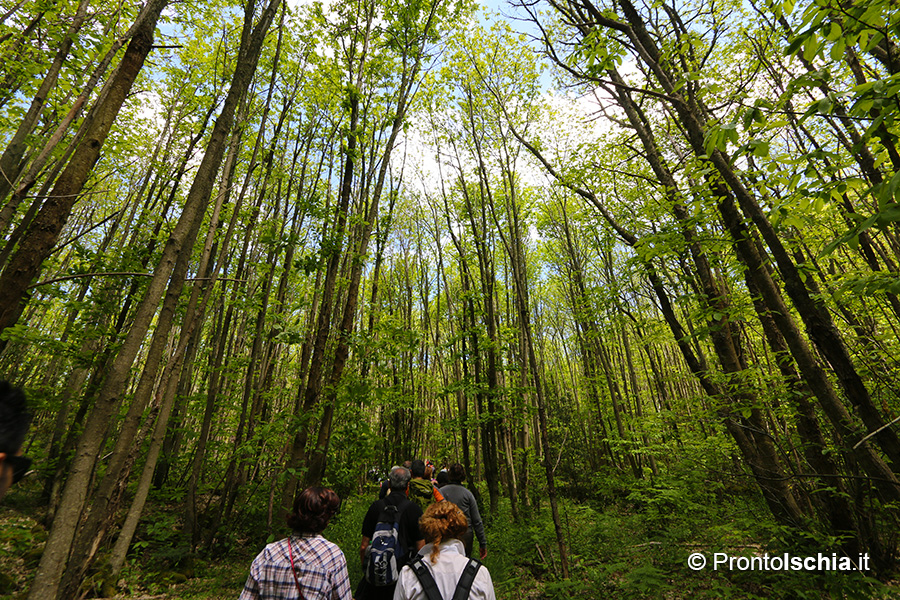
<point x="124" y="274"/>
<point x="874" y="433"/>
<point x="85" y="232"/>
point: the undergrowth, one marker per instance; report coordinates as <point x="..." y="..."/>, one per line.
<point x="625" y="539"/>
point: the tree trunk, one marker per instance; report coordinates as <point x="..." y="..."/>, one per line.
<point x="41" y="236"/>
<point x="11" y="160"/>
<point x="815" y="315"/>
<point x="311" y="393"/>
<point x="54" y="559"/>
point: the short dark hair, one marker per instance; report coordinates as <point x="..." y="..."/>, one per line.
<point x="443" y="478"/>
<point x="457" y="473"/>
<point x="400" y="479"/>
<point x="313" y="509"/>
<point x="14" y="418"/>
<point x="418" y="468"/>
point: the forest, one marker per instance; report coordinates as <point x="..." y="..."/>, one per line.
<point x="633" y="263"/>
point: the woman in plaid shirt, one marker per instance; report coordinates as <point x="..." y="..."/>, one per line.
<point x="305" y="565"/>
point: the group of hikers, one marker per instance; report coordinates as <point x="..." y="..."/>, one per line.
<point x="417" y="538"/>
<point x="417" y="543"/>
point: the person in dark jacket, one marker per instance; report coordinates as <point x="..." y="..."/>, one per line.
<point x="14" y="420"/>
<point x="463" y="498"/>
<point x="410" y="536"/>
<point x="386" y="484"/>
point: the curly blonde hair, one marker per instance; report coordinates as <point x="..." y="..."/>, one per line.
<point x="442" y="521"/>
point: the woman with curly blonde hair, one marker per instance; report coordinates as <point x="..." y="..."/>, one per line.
<point x="442" y="571"/>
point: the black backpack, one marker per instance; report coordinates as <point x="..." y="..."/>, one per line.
<point x="429" y="586"/>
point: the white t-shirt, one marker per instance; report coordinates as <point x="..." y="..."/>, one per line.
<point x="446" y="572"/>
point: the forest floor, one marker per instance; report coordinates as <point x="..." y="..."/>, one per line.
<point x="630" y="543"/>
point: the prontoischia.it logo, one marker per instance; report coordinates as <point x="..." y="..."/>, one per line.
<point x="779" y="562"/>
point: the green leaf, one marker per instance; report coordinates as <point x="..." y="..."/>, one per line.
<point x="759" y="147"/>
<point x="838" y="49"/>
<point x="873" y="17"/>
<point x="889" y="192"/>
<point x="888" y="216"/>
<point x="811" y="47"/>
<point x="731" y="133"/>
<point x="794" y="45"/>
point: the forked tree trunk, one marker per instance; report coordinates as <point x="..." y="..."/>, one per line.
<point x="513" y="244"/>
<point x="312" y="391"/>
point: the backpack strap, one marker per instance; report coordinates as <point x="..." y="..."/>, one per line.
<point x="464" y="585"/>
<point x="389" y="514"/>
<point x="402" y="505"/>
<point x="429" y="586"/>
<point x="406" y="554"/>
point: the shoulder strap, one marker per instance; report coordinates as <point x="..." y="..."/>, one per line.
<point x="464" y="585"/>
<point x="389" y="513"/>
<point x="429" y="586"/>
<point x="402" y="505"/>
<point x="294" y="572"/>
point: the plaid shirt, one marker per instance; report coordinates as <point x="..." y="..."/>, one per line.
<point x="320" y="566"/>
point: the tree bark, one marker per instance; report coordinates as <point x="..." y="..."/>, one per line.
<point x="11" y="160"/>
<point x="55" y="557"/>
<point x="43" y="233"/>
